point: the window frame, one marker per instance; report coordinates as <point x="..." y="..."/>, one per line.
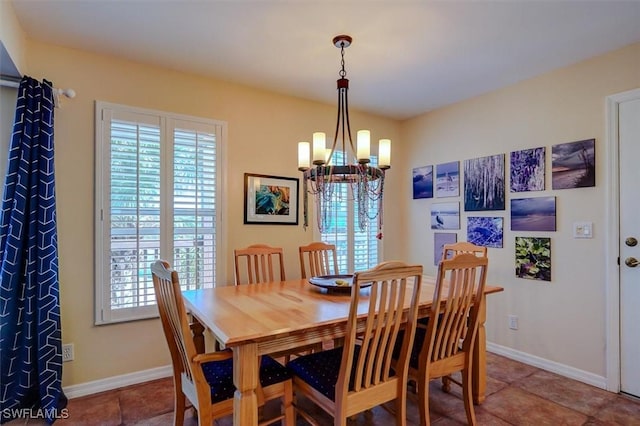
<point x="167" y="122"/>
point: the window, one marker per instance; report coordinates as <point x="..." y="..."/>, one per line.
<point x="158" y="192"/>
<point x="356" y="250"/>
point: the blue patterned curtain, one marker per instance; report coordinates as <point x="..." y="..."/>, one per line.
<point x="30" y="337"/>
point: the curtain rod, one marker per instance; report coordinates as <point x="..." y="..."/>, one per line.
<point x="9" y="81"/>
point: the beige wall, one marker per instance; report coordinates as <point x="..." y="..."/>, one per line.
<point x="11" y="35"/>
<point x="263" y="131"/>
<point x="562" y="320"/>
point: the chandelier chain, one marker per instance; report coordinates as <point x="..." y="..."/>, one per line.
<point x="343" y="72"/>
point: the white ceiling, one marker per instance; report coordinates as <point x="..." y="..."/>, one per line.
<point x="407" y="57"/>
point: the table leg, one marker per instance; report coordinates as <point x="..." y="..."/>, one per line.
<point x="245" y="378"/>
<point x="479" y="378"/>
<point x="198" y="334"/>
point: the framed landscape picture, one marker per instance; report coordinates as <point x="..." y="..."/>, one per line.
<point x="270" y="200"/>
<point x="448" y="179"/>
<point x="573" y="164"/>
<point x="533" y="214"/>
<point x="423" y="182"/>
<point x="445" y="215"/>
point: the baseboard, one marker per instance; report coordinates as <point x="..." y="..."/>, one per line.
<point x="110" y="383"/>
<point x="545" y="364"/>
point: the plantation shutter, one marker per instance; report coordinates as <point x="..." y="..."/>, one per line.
<point x="365" y="243"/>
<point x="356" y="250"/>
<point x="337" y="232"/>
<point x="157" y="180"/>
<point x="194" y="206"/>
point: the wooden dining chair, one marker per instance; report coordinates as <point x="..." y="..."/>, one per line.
<point x="364" y="378"/>
<point x="259" y="260"/>
<point x="206" y="380"/>
<point x="448" y="251"/>
<point x="320" y="258"/>
<point x="446" y="346"/>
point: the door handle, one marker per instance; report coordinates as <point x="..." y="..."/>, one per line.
<point x="631" y="262"/>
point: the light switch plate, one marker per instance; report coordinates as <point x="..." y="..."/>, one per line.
<point x="583" y="230"/>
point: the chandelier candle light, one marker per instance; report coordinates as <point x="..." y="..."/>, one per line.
<point x="331" y="166"/>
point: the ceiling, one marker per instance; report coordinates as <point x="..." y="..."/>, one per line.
<point x="407" y="57"/>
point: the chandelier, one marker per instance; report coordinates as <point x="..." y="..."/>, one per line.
<point x="344" y="164"/>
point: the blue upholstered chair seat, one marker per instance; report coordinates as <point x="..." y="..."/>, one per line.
<point x="417" y="345"/>
<point x="219" y="375"/>
<point x="418" y="341"/>
<point x="320" y="370"/>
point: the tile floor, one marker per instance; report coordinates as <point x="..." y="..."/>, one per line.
<point x="517" y="394"/>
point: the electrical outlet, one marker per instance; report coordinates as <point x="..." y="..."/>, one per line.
<point x="512" y="322"/>
<point x="67" y="352"/>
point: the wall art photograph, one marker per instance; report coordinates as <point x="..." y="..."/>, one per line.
<point x="533" y="214"/>
<point x="270" y="200"/>
<point x="484" y="186"/>
<point x="527" y="170"/>
<point x="423" y="182"/>
<point x="573" y="164"/>
<point x="445" y="215"/>
<point x="439" y="240"/>
<point x="448" y="179"/>
<point x="533" y="258"/>
<point x="485" y="231"/>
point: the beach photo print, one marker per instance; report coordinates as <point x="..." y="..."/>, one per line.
<point x="448" y="179"/>
<point x="445" y="215"/>
<point x="573" y="164"/>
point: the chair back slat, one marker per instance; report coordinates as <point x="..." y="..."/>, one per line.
<point x="377" y="333"/>
<point x="320" y="258"/>
<point x="450" y="250"/>
<point x="259" y="261"/>
<point x="462" y="279"/>
<point x="173" y="316"/>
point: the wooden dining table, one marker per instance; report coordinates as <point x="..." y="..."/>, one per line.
<point x="269" y="318"/>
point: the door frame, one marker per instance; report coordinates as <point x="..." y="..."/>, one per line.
<point x="612" y="239"/>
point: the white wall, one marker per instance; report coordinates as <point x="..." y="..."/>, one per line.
<point x="562" y="321"/>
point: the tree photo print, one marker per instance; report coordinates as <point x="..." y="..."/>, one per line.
<point x="527" y="170"/>
<point x="484" y="183"/>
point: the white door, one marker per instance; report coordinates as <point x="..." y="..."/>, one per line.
<point x="629" y="145"/>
